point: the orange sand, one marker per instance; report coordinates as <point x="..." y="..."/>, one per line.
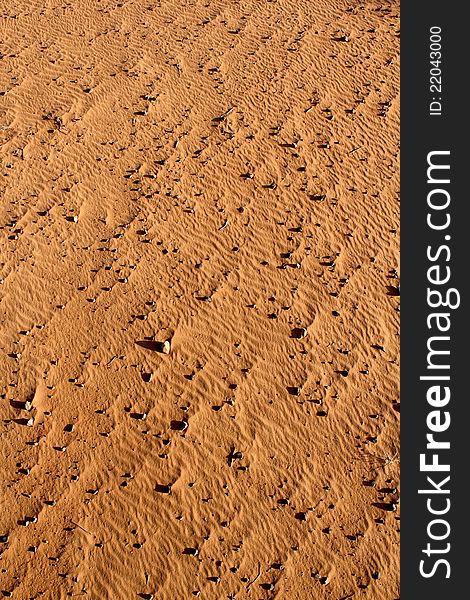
<point x="224" y="176"/>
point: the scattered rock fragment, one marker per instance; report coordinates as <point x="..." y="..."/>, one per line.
<point x="27" y="521"/>
<point x="267" y="586"/>
<point x="392" y="290"/>
<point x="162" y="489"/>
<point x="155" y="346"/>
<point x="298" y="333"/>
<point x="387" y="506"/>
<point x="178" y="425"/>
<point x="234" y="455"/>
<point x="293" y="390"/>
<point x="138" y="416"/>
<point x="25" y="422"/>
<point x="21" y="404"/>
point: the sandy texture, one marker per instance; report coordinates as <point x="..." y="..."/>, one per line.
<point x="224" y="176"/>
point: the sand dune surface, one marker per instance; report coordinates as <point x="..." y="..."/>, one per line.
<point x="199" y="239"/>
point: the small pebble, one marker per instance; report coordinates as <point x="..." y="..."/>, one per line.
<point x="298" y="333"/>
<point x="178" y="425"/>
<point x="162" y="489"/>
<point x="267" y="586"/>
<point x="293" y="390"/>
<point x="165" y="347"/>
<point x="138" y="416"/>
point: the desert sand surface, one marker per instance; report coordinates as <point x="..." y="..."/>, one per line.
<point x="222" y="176"/>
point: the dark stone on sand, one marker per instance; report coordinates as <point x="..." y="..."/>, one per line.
<point x="293" y="390"/>
<point x="162" y="347"/>
<point x="387" y="506"/>
<point x="267" y="586"/>
<point x="162" y="489"/>
<point x="178" y="425"/>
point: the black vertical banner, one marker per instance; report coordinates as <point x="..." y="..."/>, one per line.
<point x="435" y="430"/>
